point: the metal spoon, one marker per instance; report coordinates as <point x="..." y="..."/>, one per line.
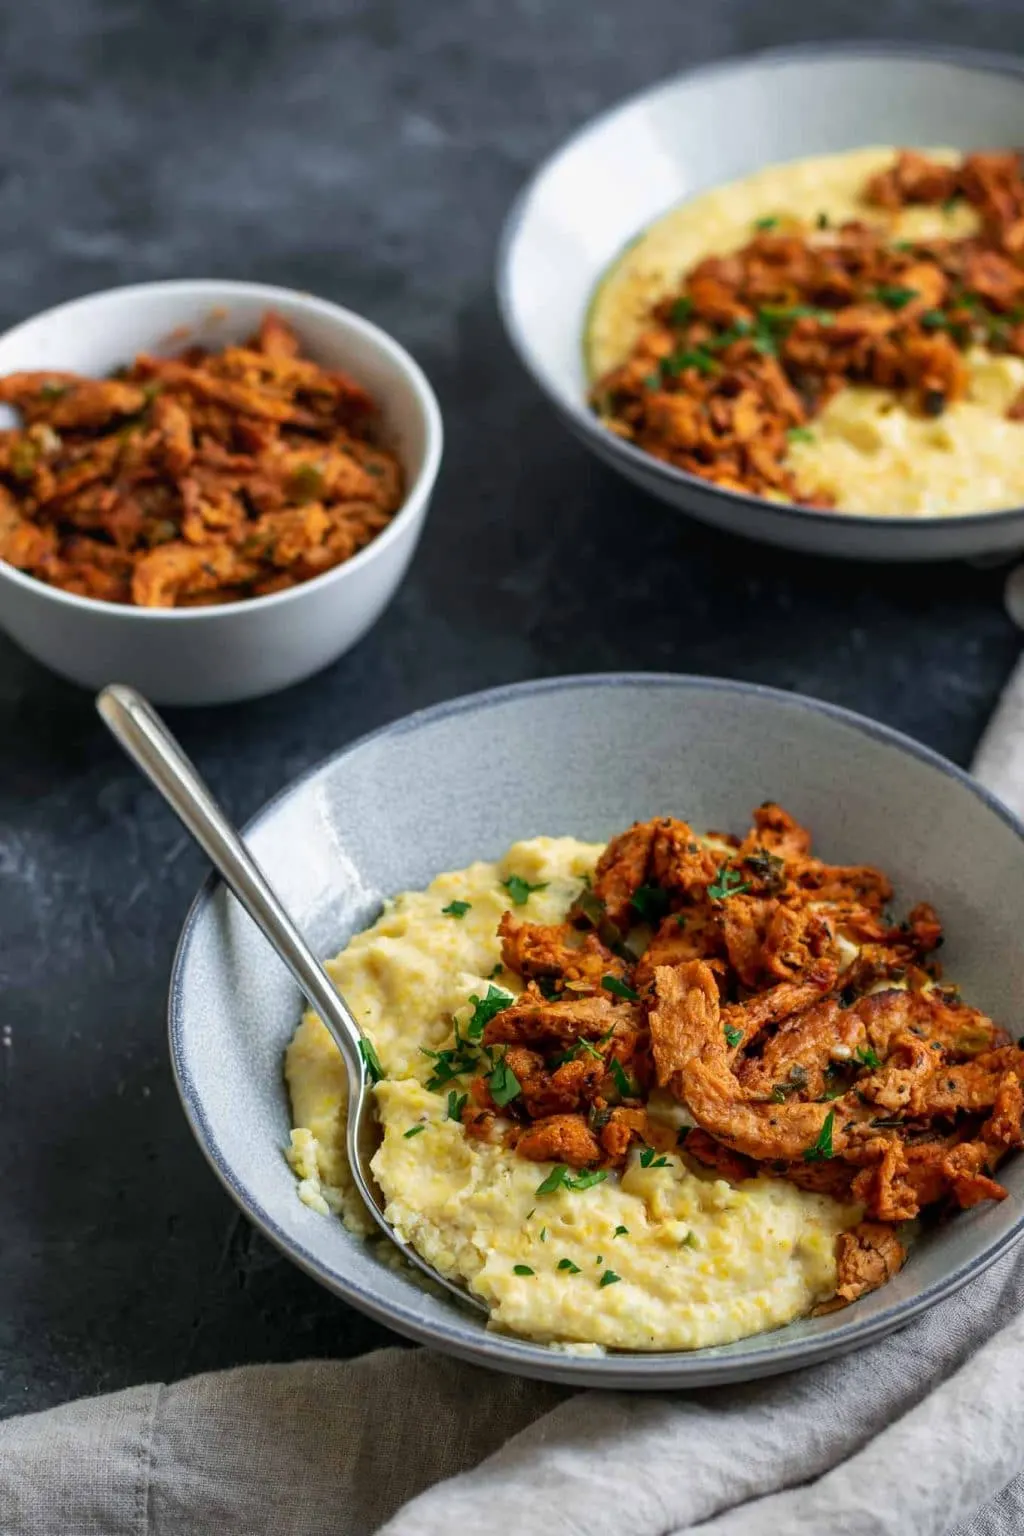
<point x="148" y="742"/>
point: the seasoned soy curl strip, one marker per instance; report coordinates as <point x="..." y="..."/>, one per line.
<point x="802" y="1030"/>
<point x="194" y="480"/>
<point x="737" y="363"/>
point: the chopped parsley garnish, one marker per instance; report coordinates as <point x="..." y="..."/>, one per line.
<point x="934" y="320"/>
<point x="587" y="1180"/>
<point x="652" y="381"/>
<point x="822" y="219"/>
<point x="456" y="908"/>
<point x="590" y="907"/>
<point x="469" y="1056"/>
<point x="621" y="1232"/>
<point x="569" y="1266"/>
<point x="522" y="1269"/>
<point x="413" y="1130"/>
<point x="681" y="310"/>
<point x="466" y="1054"/>
<point x="800" y="435"/>
<point x="651" y="902"/>
<point x="371" y="1061"/>
<point x="796" y="1080"/>
<point x="561" y="1178"/>
<point x="555" y="1179"/>
<point x="484" y="1009"/>
<point x="690" y="1241"/>
<point x="733" y="1036"/>
<point x="787" y="314"/>
<point x="735" y="332"/>
<point x="894" y="296"/>
<point x="867" y="1056"/>
<point x="521" y="890"/>
<point x="503" y="1084"/>
<point x="52" y="390"/>
<point x="543" y="1234"/>
<point x="581" y="1045"/>
<point x="619" y="989"/>
<point x="903" y="245"/>
<point x="608" y="1278"/>
<point x="456" y="1104"/>
<point x="694" y="357"/>
<point x="951" y="203"/>
<point x="770" y="221"/>
<point x="767" y="867"/>
<point x="728" y="882"/>
<point x="623" y="1082"/>
<point x="822" y="1148"/>
<point x="648" y="1159"/>
<point x="452" y="1062"/>
<point x="497" y="970"/>
<point x="307" y="483"/>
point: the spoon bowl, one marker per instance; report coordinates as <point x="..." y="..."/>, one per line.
<point x="137" y="728"/>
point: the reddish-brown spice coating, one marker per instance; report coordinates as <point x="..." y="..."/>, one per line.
<point x="193" y="480"/>
<point x="725" y="984"/>
<point x="740" y="359"/>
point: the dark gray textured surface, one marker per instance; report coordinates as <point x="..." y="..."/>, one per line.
<point x="366" y="152"/>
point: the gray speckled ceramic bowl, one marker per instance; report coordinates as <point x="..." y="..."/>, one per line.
<point x="701" y="129"/>
<point x="585" y="756"/>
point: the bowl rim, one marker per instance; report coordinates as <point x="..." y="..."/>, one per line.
<point x="622" y="1369"/>
<point x="579" y="418"/>
<point x="226" y="289"/>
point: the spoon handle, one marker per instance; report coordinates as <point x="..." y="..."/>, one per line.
<point x="151" y="746"/>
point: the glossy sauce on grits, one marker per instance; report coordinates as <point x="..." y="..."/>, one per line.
<point x="871" y="453"/>
<point x="693" y="1260"/>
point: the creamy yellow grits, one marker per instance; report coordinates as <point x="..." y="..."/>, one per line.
<point x="700" y="1262"/>
<point x="870" y="452"/>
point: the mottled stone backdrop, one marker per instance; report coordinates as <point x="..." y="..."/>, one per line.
<point x="366" y="152"/>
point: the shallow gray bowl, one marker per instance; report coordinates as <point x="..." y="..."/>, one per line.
<point x="585" y="756"/>
<point x="618" y="173"/>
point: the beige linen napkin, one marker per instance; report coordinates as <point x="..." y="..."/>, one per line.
<point x="920" y="1435"/>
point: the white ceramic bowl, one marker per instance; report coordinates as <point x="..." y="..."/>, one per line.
<point x="220" y="654"/>
<point x="617" y="174"/>
<point x="583" y="756"/>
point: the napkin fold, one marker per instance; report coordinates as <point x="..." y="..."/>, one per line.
<point x="999" y="760"/>
<point x="918" y="1435"/>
